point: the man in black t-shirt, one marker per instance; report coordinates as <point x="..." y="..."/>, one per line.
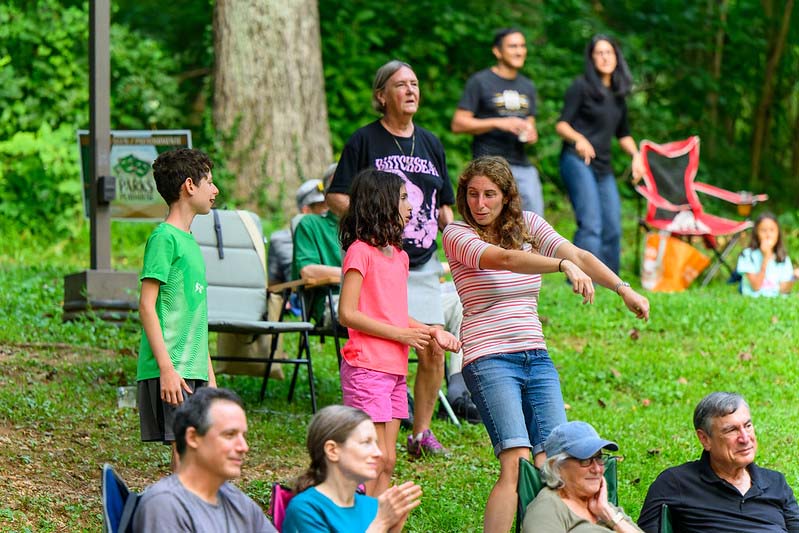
<point x="498" y="107"/>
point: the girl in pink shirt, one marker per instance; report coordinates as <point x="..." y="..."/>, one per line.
<point x="374" y="308"/>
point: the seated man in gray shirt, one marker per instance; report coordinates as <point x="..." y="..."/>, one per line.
<point x="210" y="427"/>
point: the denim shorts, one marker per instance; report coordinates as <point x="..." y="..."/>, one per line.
<point x="518" y="397"/>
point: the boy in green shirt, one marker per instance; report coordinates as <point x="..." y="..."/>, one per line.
<point x="173" y="355"/>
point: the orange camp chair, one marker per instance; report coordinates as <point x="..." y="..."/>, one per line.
<point x="673" y="205"/>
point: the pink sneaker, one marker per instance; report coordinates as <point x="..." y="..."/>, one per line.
<point x="427" y="445"/>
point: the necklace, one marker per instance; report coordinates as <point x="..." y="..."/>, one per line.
<point x="413" y="143"/>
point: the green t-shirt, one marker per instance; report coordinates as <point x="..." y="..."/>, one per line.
<point x="316" y="243"/>
<point x="173" y="257"/>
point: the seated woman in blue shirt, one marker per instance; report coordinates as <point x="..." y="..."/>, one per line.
<point x="765" y="267"/>
<point x="342" y="443"/>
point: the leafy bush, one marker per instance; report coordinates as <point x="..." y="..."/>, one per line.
<point x="40" y="187"/>
<point x="44" y="99"/>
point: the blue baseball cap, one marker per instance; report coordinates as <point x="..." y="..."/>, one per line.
<point x="577" y="439"/>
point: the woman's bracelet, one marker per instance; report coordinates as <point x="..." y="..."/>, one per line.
<point x="561" y="264"/>
<point x="619" y="285"/>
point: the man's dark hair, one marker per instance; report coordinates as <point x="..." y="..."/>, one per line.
<point x="194" y="413"/>
<point x="716" y="405"/>
<point x="500" y="35"/>
<point x="173" y="167"/>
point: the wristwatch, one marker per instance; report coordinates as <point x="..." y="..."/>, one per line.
<point x="618" y="517"/>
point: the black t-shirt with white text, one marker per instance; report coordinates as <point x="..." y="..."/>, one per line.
<point x="424" y="173"/>
<point x="488" y="95"/>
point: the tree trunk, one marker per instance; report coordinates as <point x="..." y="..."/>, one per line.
<point x="718" y="54"/>
<point x="776" y="47"/>
<point x="269" y="97"/>
<point x="795" y="151"/>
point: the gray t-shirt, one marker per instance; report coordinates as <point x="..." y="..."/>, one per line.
<point x="168" y="506"/>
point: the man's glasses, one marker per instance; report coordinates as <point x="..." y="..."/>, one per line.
<point x="600" y="459"/>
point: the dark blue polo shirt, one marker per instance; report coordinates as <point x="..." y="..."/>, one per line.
<point x="700" y="501"/>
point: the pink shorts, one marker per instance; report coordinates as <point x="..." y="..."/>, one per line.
<point x="383" y="396"/>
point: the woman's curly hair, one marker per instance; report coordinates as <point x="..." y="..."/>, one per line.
<point x="508" y="230"/>
<point x="374" y="215"/>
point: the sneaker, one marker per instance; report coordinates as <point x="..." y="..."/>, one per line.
<point x="464" y="408"/>
<point x="427" y="445"/>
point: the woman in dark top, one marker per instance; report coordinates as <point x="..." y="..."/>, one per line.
<point x="593" y="113"/>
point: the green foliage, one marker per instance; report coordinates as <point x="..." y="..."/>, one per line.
<point x="44" y="91"/>
<point x="43" y="52"/>
<point x="162" y="57"/>
<point x="40" y="188"/>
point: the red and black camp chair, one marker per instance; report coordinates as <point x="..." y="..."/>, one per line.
<point x="673" y="205"/>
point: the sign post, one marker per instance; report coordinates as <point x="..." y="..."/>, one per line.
<point x="111" y="294"/>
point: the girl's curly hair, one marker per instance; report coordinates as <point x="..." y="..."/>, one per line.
<point x="508" y="230"/>
<point x="374" y="215"/>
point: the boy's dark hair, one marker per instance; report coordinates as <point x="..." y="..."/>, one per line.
<point x="194" y="413"/>
<point x="779" y="247"/>
<point x="173" y="167"/>
<point x="374" y="215"/>
<point x="500" y="35"/>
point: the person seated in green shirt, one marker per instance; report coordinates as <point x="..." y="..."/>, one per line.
<point x="317" y="253"/>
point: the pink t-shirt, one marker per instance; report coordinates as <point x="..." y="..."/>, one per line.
<point x="500" y="308"/>
<point x="384" y="297"/>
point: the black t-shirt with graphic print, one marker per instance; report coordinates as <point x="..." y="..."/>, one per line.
<point x="489" y="96"/>
<point x="424" y="173"/>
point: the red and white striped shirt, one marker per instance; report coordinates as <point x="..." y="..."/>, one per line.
<point x="500" y="308"/>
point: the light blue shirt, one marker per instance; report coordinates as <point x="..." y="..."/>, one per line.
<point x="311" y="511"/>
<point x="750" y="262"/>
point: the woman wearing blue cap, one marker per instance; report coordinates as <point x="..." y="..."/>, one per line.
<point x="576" y="496"/>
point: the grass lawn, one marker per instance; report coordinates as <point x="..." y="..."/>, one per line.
<point x="636" y="382"/>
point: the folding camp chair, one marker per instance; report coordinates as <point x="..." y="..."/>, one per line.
<point x="119" y="502"/>
<point x="324" y="289"/>
<point x="665" y="519"/>
<point x="232" y="246"/>
<point x="530" y="484"/>
<point x="673" y="205"/>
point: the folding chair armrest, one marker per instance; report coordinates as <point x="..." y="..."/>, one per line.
<point x="659" y="201"/>
<point x="312" y="283"/>
<point x="739" y="198"/>
<point x="286" y="286"/>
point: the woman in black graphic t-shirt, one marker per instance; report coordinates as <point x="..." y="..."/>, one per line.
<point x="593" y="113"/>
<point x="394" y="143"/>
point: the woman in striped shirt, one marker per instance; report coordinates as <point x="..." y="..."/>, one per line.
<point x="497" y="256"/>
